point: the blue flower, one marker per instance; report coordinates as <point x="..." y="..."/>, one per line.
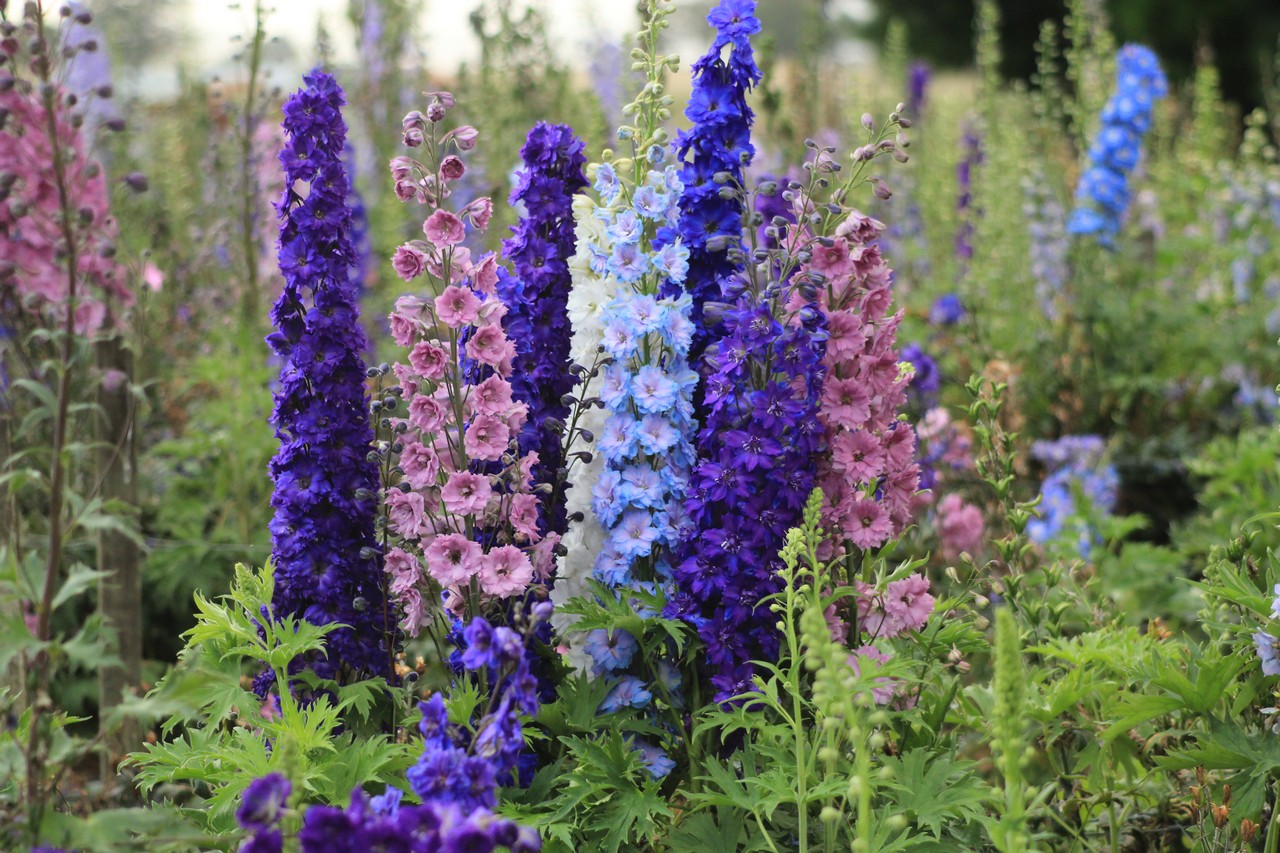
<point x="1103" y="193"/>
<point x="672" y="262"/>
<point x="607" y="183"/>
<point x="652" y="390"/>
<point x="655" y="759"/>
<point x="947" y="310"/>
<point x="610" y="650"/>
<point x="626" y="227"/>
<point x="629" y="692"/>
<point x="627" y="263"/>
<point x="650" y="203"/>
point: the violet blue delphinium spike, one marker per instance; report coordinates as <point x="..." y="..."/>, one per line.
<point x="718" y="143"/>
<point x="537" y="296"/>
<point x="88" y="73"/>
<point x="328" y="566"/>
<point x="1102" y="195"/>
<point x="755" y="471"/>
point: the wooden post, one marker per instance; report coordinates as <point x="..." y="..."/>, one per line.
<point x="119" y="593"/>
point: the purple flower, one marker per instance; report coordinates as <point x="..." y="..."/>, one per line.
<point x="718" y="142"/>
<point x="947" y="310"/>
<point x="327" y="564"/>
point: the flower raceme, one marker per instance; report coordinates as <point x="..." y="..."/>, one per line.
<point x="328" y="564"/>
<point x="1102" y="195"/>
<point x="537" y="294"/>
<point x="464" y="512"/>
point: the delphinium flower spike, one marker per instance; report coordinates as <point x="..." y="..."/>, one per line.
<point x="537" y="295"/>
<point x="715" y="151"/>
<point x="628" y="304"/>
<point x="1102" y="195"/>
<point x="459" y="500"/>
<point x="756" y="461"/>
<point x="327" y="561"/>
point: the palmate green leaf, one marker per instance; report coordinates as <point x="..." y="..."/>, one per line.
<point x="577" y="706"/>
<point x="935" y="790"/>
<point x="359" y="760"/>
<point x="79" y="580"/>
<point x="219" y="625"/>
<point x="16" y="639"/>
<point x="91" y="646"/>
<point x="706" y="832"/>
<point x="632" y="815"/>
<point x="291" y="638"/>
<point x="1137" y="708"/>
<point x="128" y="829"/>
<point x="1255" y="757"/>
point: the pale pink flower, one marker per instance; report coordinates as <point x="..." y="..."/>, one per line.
<point x="415" y="612"/>
<point x="858" y="455"/>
<point x="491" y="397"/>
<point x="466" y="493"/>
<point x="506" y="570"/>
<point x="489" y="345"/>
<point x="404" y="328"/>
<point x="486" y="438"/>
<point x="427" y="413"/>
<point x="846" y="403"/>
<point x="420" y="464"/>
<point x="406" y="513"/>
<point x="485" y="274"/>
<point x="152" y="277"/>
<point x="404" y="571"/>
<point x="401" y="168"/>
<point x="408" y="262"/>
<point x="452" y="168"/>
<point x="464" y="137"/>
<point x="457" y="307"/>
<point x="832" y="261"/>
<point x="408" y="380"/>
<point x="836" y="624"/>
<point x="479" y="212"/>
<point x="429" y="359"/>
<point x="524" y="515"/>
<point x="444" y="229"/>
<point x="543" y="556"/>
<point x="907" y="604"/>
<point x="526" y="470"/>
<point x="868" y="524"/>
<point x="453" y="559"/>
<point x="960" y="526"/>
<point x="459" y="260"/>
<point x="847" y="335"/>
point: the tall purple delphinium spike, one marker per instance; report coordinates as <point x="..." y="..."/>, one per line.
<point x="327" y="563"/>
<point x="754" y="472"/>
<point x="919" y="74"/>
<point x="538" y="295"/>
<point x="718" y="142"/>
<point x="970" y="159"/>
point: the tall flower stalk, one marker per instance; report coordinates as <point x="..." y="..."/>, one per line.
<point x="628" y="302"/>
<point x="537" y="296"/>
<point x="459" y="500"/>
<point x="1102" y="196"/>
<point x="328" y="564"/>
<point x="714" y="152"/>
